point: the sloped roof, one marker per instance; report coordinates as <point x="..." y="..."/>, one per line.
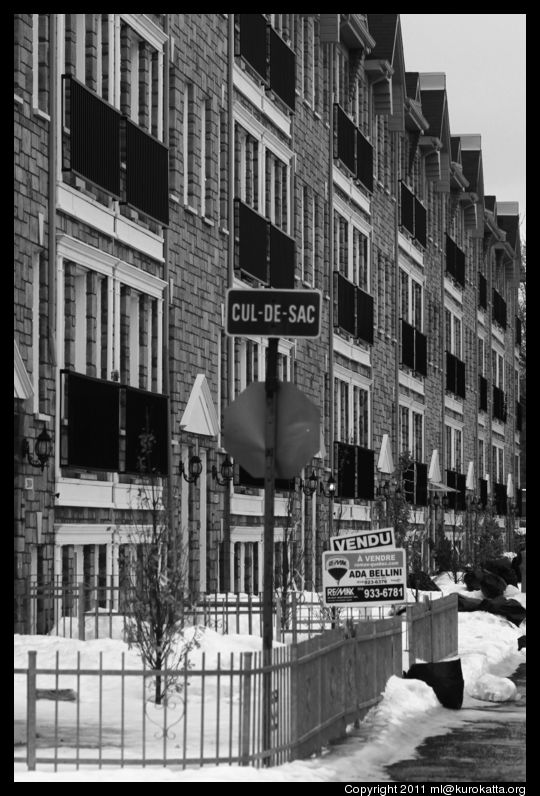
<point x="411" y="84"/>
<point x="455" y="148"/>
<point x="510" y="225"/>
<point x="490" y="203"/>
<point x="471" y="158"/>
<point x="433" y="104"/>
<point x="383" y="28"/>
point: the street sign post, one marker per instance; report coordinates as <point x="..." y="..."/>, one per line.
<point x="273" y="313"/>
<point x="376" y="577"/>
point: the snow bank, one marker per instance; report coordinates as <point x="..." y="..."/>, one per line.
<point x="492" y="688"/>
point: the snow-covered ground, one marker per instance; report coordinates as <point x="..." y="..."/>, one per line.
<point x="407" y="713"/>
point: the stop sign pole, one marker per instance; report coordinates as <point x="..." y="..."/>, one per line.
<point x="268" y="543"/>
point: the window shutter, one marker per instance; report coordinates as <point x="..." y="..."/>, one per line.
<point x="451" y="481"/>
<point x="460" y="378"/>
<point x="147" y="173"/>
<point x="482" y="291"/>
<point x="483" y="492"/>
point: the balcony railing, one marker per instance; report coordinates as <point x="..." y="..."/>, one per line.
<point x="252" y="42"/>
<point x="282" y="259"/>
<point x="364" y="161"/>
<point x="413" y="215"/>
<point x="482" y="291"/>
<point x="499" y="404"/>
<point x="251" y="242"/>
<point x="355" y="471"/>
<point x="282" y="69"/>
<point x="499" y="499"/>
<point x="455" y="261"/>
<point x="456" y="500"/>
<point x="103" y="422"/>
<point x="413" y="348"/>
<point x="147" y="173"/>
<point x="455" y="375"/>
<point x="344" y="139"/>
<point x="483" y="392"/>
<point x="93" y="149"/>
<point x="415" y="484"/>
<point x="499" y="309"/>
<point x="519" y="416"/>
<point x="353" y="311"/>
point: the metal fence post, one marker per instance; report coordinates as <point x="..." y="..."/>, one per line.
<point x="80" y="610"/>
<point x="245" y="734"/>
<point x="31" y="711"/>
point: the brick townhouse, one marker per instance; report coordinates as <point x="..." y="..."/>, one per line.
<point x="162" y="159"/>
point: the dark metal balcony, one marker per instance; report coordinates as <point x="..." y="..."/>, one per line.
<point x="147" y="173"/>
<point x="282" y="69"/>
<point x="252" y="41"/>
<point x="282" y="259"/>
<point x="93" y="150"/>
<point x="146" y="414"/>
<point x="344" y="139"/>
<point x="251" y="242"/>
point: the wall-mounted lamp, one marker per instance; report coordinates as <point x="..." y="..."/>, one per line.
<point x="227" y="472"/>
<point x="388" y="490"/>
<point x="330" y="489"/>
<point x="310" y="486"/>
<point x="42" y="450"/>
<point x="194" y="468"/>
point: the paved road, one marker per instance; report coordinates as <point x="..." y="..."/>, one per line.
<point x="490" y="747"/>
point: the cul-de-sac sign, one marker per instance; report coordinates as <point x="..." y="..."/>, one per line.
<point x="273" y="313"/>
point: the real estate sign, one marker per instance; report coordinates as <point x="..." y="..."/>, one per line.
<point x="366" y="540"/>
<point x="367" y="577"/>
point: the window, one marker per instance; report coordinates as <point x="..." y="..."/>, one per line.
<point x="39" y="332"/>
<point x="40" y="62"/>
<point x="141" y="75"/>
<point x="497" y="369"/>
<point x="481" y="458"/>
<point x="453" y="332"/>
<point x="411" y="432"/>
<point x="351" y="251"/>
<point x="276" y="191"/>
<point x="112" y="331"/>
<point x="411" y="294"/>
<point x="189" y="140"/>
<point x="250" y="362"/>
<point x="262" y="175"/>
<point x="481" y="356"/>
<point x="351" y="412"/>
<point x="453" y="448"/>
<point x="497" y="458"/>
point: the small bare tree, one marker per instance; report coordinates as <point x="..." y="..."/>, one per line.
<point x="154" y="582"/>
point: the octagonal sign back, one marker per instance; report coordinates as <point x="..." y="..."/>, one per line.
<point x="297" y="430"/>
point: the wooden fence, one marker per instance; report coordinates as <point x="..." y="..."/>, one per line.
<point x="432" y="628"/>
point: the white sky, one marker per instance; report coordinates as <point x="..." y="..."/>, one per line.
<point x="483" y="57"/>
<point x="408" y="713"/>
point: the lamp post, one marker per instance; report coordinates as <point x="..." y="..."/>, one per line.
<point x="227" y="475"/>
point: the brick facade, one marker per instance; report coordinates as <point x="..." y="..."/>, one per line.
<point x="153" y="297"/>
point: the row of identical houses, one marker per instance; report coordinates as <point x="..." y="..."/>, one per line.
<point x="161" y="159"/>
